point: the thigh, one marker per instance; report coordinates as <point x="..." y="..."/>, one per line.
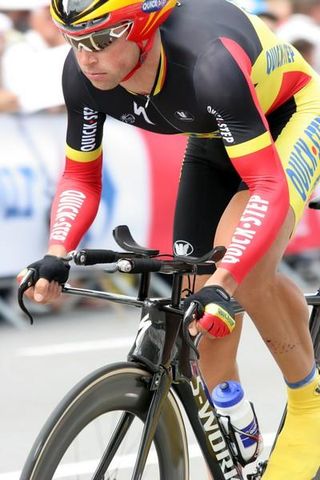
<point x="208" y="181"/>
<point x="295" y="128"/>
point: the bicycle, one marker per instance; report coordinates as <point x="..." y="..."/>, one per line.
<point x="160" y="378"/>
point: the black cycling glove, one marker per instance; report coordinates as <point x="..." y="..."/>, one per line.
<point x="51" y="268"/>
<point x="215" y="311"/>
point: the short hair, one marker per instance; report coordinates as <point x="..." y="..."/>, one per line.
<point x="304" y="6"/>
<point x="304" y="46"/>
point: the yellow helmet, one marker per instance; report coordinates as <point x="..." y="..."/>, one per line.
<point x="79" y="17"/>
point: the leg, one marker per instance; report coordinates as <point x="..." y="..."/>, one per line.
<point x="221" y="353"/>
<point x="280" y="313"/>
<point x="207" y="179"/>
<point x="286" y="333"/>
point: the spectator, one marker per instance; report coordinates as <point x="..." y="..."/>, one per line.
<point x="18" y="17"/>
<point x="282" y="9"/>
<point x="8" y="101"/>
<point x="43" y="27"/>
<point x="307" y="50"/>
<point x="261" y="8"/>
<point x="33" y="65"/>
<point x="269" y="18"/>
<point x="304" y="24"/>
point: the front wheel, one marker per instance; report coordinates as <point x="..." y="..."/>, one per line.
<point x="101" y="417"/>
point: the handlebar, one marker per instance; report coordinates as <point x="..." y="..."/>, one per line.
<point x="136" y="259"/>
<point x="27" y="282"/>
<point x="131" y="263"/>
<point x="138" y="263"/>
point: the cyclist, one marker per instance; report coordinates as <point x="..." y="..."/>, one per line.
<point x="251" y="107"/>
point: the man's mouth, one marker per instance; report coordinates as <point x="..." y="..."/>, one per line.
<point x="94" y="75"/>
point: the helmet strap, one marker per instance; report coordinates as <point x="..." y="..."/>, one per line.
<point x="144" y="47"/>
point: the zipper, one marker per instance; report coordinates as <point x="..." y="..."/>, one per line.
<point x="148" y="101"/>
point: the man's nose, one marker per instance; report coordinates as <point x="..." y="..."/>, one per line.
<point x="86" y="57"/>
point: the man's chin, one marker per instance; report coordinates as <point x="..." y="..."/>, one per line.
<point x="102" y="82"/>
<point x="103" y="85"/>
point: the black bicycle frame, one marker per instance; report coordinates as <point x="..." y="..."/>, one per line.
<point x="210" y="436"/>
<point x="161" y="347"/>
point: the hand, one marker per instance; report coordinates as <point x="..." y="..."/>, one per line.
<point x="216" y="314"/>
<point x="43" y="291"/>
<point x="51" y="272"/>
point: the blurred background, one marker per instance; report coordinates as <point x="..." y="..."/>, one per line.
<point x="140" y="184"/>
<point x="141" y="172"/>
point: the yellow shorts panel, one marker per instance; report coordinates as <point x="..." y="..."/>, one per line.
<point x="298" y="146"/>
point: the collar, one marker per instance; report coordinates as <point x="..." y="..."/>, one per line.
<point x="144" y="49"/>
<point x="161" y="73"/>
<point x="162" y="67"/>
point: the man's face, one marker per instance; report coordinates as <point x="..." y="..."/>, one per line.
<point x="107" y="68"/>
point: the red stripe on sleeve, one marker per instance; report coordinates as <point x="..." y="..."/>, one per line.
<point x="244" y="63"/>
<point x="264" y="214"/>
<point x="291" y="83"/>
<point x="76" y="202"/>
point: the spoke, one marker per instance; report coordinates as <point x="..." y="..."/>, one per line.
<point x="114" y="443"/>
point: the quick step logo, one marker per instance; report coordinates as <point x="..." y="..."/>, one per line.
<point x="251" y="220"/>
<point x="89" y="130"/>
<point x="150" y="6"/>
<point x="304" y="159"/>
<point x="70" y="203"/>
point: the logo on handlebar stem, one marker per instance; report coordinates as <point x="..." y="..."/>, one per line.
<point x="182" y="247"/>
<point x="144" y="324"/>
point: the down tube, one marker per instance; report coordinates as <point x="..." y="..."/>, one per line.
<point x="207" y="430"/>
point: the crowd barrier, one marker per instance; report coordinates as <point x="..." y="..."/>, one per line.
<point x="140" y="178"/>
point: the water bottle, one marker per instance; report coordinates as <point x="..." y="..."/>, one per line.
<point x="237" y="414"/>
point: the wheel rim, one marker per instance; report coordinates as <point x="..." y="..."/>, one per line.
<point x="91" y="398"/>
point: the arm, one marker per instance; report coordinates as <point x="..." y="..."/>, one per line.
<point x="74" y="208"/>
<point x="250" y="147"/>
<point x="76" y="203"/>
<point x="78" y="193"/>
<point x="249" y="144"/>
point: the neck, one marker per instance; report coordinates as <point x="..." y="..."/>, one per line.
<point x="143" y="79"/>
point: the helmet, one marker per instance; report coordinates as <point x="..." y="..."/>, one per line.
<point x="79" y="17"/>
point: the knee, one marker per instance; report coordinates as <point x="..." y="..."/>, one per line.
<point x="264" y="292"/>
<point x="255" y="289"/>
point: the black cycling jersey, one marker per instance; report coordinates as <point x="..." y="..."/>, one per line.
<point x="202" y="86"/>
<point x="222" y="75"/>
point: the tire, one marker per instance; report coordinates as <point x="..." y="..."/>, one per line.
<point x="117" y="387"/>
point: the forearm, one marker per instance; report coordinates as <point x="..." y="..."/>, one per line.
<point x="223" y="278"/>
<point x="263" y="215"/>
<point x="75" y="205"/>
<point x="57" y="250"/>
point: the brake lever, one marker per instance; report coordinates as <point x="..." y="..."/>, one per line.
<point x="28" y="281"/>
<point x="193" y="312"/>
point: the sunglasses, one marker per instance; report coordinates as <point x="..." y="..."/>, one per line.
<point x="96" y="41"/>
